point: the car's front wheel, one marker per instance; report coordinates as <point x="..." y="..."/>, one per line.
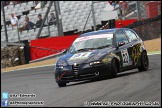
<point x="114" y="69"/>
<point x="113" y="72"/>
<point x="144" y="62"/>
<point x="61" y="84"/>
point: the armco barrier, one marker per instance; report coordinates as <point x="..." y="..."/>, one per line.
<point x="47" y="57"/>
<point x="122" y="23"/>
<point x="47" y="46"/>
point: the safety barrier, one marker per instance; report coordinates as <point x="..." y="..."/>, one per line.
<point x="122" y="23"/>
<point x="44" y="47"/>
<point x="147" y="29"/>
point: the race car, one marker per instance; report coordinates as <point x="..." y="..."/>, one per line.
<point x="102" y="53"/>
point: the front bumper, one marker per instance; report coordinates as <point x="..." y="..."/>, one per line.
<point x="85" y="72"/>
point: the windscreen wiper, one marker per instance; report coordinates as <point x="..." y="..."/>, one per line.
<point x="85" y="49"/>
<point x="103" y="46"/>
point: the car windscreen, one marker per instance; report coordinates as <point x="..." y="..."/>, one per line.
<point x="91" y="42"/>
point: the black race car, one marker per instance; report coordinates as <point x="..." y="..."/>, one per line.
<point x="101" y="53"/>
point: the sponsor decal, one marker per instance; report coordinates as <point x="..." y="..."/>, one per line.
<point x="107" y="60"/>
<point x="108" y="36"/>
<point x="112" y="54"/>
<point x="125" y="57"/>
<point x="84" y="55"/>
<point x="136" y="53"/>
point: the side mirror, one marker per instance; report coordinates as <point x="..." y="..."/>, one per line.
<point x="64" y="50"/>
<point x="120" y="44"/>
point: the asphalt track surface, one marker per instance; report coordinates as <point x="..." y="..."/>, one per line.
<point x="128" y="86"/>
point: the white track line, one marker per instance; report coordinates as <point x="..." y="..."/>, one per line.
<point x="154" y="53"/>
<point x="28" y="68"/>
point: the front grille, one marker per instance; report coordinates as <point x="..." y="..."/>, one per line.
<point x="76" y="68"/>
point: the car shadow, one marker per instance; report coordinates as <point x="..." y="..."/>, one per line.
<point x="78" y="83"/>
<point x="126" y="73"/>
<point x="86" y="81"/>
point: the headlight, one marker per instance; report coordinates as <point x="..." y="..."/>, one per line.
<point x="60" y="66"/>
<point x="62" y="63"/>
<point x="95" y="62"/>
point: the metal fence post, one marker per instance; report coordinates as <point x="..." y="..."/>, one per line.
<point x="86" y="22"/>
<point x="93" y="16"/>
<point x="44" y="19"/>
<point x="18" y="32"/>
<point x="27" y="51"/>
<point x="57" y="18"/>
<point x="138" y="10"/>
<point x="48" y="26"/>
<point x="60" y="19"/>
<point x="3" y="3"/>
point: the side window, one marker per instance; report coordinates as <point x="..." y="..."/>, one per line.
<point x="131" y="35"/>
<point x="120" y="37"/>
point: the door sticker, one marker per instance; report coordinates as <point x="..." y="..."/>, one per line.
<point x="136" y="53"/>
<point x="125" y="57"/>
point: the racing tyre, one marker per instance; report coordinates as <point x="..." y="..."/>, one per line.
<point x="113" y="69"/>
<point x="144" y="62"/>
<point x="113" y="73"/>
<point x="61" y="84"/>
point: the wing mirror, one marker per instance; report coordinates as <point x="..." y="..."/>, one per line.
<point x="120" y="44"/>
<point x="64" y="50"/>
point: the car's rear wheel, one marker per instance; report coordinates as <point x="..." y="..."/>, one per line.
<point x="61" y="84"/>
<point x="144" y="62"/>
